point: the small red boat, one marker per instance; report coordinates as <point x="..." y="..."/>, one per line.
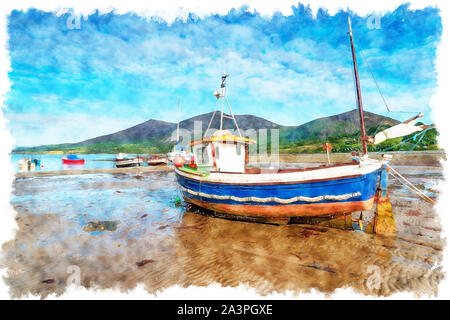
<point x="72" y="159"/>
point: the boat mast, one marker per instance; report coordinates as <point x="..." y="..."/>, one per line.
<point x="178" y="122"/>
<point x="364" y="137"/>
<point x="223" y="95"/>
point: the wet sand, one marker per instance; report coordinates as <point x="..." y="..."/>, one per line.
<point x="135" y="170"/>
<point x="154" y="241"/>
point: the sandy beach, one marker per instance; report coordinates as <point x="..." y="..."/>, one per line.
<point x="123" y="227"/>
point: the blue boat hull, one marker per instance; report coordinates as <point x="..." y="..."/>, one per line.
<point x="301" y="199"/>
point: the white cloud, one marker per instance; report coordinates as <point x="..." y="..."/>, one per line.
<point x="50" y="129"/>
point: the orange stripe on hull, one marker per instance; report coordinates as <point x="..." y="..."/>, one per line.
<point x="293" y="210"/>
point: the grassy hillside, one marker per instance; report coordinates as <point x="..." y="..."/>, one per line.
<point x="340" y="143"/>
<point x="342" y="131"/>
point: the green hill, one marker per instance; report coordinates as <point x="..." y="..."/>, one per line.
<point x="155" y="136"/>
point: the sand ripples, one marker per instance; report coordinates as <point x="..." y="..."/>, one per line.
<point x="160" y="245"/>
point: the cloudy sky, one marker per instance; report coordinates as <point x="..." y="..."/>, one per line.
<point x="77" y="79"/>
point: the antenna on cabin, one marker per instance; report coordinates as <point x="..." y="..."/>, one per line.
<point x="222" y="94"/>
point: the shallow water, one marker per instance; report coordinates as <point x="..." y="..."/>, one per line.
<point x="53" y="162"/>
<point x="160" y="244"/>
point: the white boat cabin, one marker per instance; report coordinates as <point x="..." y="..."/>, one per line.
<point x="223" y="152"/>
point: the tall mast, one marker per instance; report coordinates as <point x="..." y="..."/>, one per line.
<point x="358" y="91"/>
<point x="178" y="122"/>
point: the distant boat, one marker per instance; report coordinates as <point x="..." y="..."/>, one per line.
<point x="122" y="161"/>
<point x="155" y="160"/>
<point x="72" y="159"/>
<point x="26" y="164"/>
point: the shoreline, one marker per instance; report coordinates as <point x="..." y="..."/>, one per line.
<point x="281" y="152"/>
<point x="418" y="158"/>
<point x="91" y="171"/>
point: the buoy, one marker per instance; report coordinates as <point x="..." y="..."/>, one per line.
<point x="178" y="161"/>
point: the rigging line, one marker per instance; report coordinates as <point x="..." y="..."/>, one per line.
<point x="373" y="77"/>
<point x="376" y="83"/>
<point x="402" y="111"/>
<point x="210" y="121"/>
<point x="419" y="192"/>
<point x="232" y="115"/>
<point x="426" y="198"/>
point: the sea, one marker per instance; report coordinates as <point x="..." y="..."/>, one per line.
<point x="53" y="162"/>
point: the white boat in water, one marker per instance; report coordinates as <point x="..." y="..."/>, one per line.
<point x="123" y="161"/>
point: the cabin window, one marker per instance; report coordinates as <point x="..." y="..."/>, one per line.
<point x="217" y="152"/>
<point x="202" y="154"/>
<point x="205" y="154"/>
<point x="238" y="149"/>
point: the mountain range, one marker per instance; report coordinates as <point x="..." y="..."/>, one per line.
<point x="341" y="124"/>
<point x="160" y="135"/>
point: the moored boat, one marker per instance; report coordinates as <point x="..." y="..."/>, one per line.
<point x="155" y="160"/>
<point x="72" y="159"/>
<point x="221" y="181"/>
<point x="122" y="161"/>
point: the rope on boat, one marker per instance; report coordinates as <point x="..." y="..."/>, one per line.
<point x="409" y="185"/>
<point x="273" y="199"/>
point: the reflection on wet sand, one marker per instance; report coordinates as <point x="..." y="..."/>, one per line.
<point x="155" y="242"/>
<point x="300" y="257"/>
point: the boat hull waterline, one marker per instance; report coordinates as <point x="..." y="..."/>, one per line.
<point x="157" y="162"/>
<point x="265" y="198"/>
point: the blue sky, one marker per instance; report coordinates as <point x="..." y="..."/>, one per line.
<point x="115" y="71"/>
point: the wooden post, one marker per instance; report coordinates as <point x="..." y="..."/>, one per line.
<point x="383" y="222"/>
<point x="327" y="147"/>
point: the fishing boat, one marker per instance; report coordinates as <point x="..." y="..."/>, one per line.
<point x="123" y="161"/>
<point x="155" y="160"/>
<point x="72" y="159"/>
<point x="221" y="181"/>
